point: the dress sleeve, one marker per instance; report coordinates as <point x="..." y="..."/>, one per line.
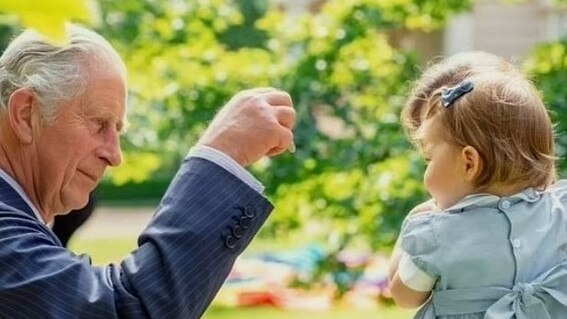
<point x="418" y="269"/>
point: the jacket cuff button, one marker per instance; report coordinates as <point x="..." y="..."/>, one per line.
<point x="245" y="222"/>
<point x="249" y="212"/>
<point x="230" y="241"/>
<point x="237" y="231"/>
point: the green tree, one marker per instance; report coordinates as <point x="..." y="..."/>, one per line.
<point x="354" y="172"/>
<point x="181" y="71"/>
<point x="547" y="65"/>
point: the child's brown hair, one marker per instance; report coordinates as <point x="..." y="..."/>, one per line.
<point x="503" y="118"/>
<point x="447" y="73"/>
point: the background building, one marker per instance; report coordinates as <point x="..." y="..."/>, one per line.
<point x="508" y="28"/>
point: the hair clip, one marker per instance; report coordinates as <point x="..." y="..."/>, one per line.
<point x="449" y="96"/>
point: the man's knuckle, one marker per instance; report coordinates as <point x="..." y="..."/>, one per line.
<point x="258" y="100"/>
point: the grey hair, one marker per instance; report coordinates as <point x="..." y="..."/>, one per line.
<point x="55" y="73"/>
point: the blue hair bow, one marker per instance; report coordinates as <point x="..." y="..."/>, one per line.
<point x="449" y="96"/>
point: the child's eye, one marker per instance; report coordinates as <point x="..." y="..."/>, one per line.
<point x="427" y="160"/>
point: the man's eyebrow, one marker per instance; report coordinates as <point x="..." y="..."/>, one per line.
<point x="97" y="112"/>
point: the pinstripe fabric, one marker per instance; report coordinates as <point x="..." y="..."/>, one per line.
<point x="228" y="163"/>
<point x="184" y="254"/>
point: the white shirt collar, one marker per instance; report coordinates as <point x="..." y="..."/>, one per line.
<point x="20" y="192"/>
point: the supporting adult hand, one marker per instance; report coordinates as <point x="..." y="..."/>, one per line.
<point x="253" y="124"/>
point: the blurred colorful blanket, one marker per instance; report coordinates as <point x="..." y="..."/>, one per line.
<point x="293" y="280"/>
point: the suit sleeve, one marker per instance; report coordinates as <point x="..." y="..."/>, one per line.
<point x="205" y="220"/>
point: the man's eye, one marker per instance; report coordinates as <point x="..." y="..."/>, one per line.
<point x="99" y="124"/>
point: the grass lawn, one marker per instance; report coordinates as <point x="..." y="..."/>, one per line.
<point x="271" y="313"/>
<point x="108" y="250"/>
<point x="103" y="251"/>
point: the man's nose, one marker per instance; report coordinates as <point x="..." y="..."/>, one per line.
<point x="111" y="150"/>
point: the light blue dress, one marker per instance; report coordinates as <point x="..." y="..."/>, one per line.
<point x="494" y="257"/>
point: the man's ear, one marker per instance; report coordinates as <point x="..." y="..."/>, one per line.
<point x="472" y="163"/>
<point x="20" y="114"/>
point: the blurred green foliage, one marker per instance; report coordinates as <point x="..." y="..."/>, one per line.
<point x="354" y="175"/>
<point x="548" y="67"/>
<point x="353" y="172"/>
<point x="185" y="59"/>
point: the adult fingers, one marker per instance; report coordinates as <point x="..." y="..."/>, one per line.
<point x="260" y="90"/>
<point x="285" y="137"/>
<point x="276" y="151"/>
<point x="246" y="95"/>
<point x="285" y="116"/>
<point x="278" y="98"/>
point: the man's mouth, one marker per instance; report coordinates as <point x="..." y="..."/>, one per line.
<point x="93" y="177"/>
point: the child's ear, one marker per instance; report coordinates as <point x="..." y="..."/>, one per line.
<point x="472" y="161"/>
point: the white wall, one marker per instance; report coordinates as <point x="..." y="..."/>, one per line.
<point x="506" y="29"/>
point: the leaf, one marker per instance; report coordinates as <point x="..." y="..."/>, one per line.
<point x="48" y="17"/>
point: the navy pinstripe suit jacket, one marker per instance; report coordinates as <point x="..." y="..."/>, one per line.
<point x="205" y="220"/>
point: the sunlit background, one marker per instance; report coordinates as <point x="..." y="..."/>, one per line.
<point x="348" y="65"/>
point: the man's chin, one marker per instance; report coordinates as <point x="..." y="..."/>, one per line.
<point x="74" y="202"/>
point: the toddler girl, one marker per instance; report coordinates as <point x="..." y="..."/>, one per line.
<point x="494" y="243"/>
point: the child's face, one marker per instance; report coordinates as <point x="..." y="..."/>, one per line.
<point x="445" y="174"/>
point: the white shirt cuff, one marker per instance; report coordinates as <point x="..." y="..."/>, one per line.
<point x="228" y="163"/>
<point x="412" y="276"/>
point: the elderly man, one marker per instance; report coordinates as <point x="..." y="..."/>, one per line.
<point x="62" y="110"/>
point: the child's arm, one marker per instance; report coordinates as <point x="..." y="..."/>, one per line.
<point x="421" y="282"/>
<point x="403" y="295"/>
<point x="394" y="262"/>
<point x="428" y="205"/>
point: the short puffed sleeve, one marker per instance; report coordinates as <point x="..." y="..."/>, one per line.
<point x="419" y="246"/>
